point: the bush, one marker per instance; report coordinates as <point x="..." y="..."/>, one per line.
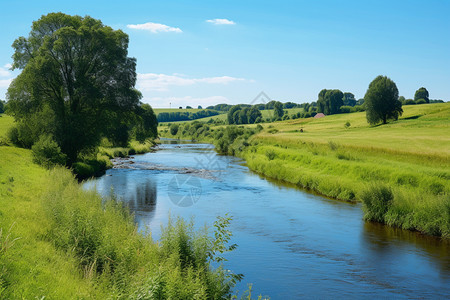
<point x="421" y="101"/>
<point x="47" y="153"/>
<point x="376" y="202"/>
<point x="173" y="129"/>
<point x="409" y="102"/>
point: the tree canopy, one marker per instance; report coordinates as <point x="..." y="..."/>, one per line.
<point x="381" y="101"/>
<point x="330" y="101"/>
<point x="78" y="78"/>
<point x="422" y="93"/>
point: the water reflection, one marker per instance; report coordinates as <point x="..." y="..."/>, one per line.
<point x="390" y="241"/>
<point x="139" y="193"/>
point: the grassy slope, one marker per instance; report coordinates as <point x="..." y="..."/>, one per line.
<point x="412" y="156"/>
<point x="32" y="267"/>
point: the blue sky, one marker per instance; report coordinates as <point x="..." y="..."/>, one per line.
<point x="289" y="49"/>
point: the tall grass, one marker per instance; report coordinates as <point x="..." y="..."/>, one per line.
<point x="110" y="251"/>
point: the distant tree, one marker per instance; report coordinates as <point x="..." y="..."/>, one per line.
<point x="278" y="110"/>
<point x="349" y="99"/>
<point x="173" y="129"/>
<point x="180" y="107"/>
<point x="289" y="105"/>
<point x="188" y="107"/>
<point x="402" y="99"/>
<point x="381" y="101"/>
<point x="409" y="102"/>
<point x="230" y="115"/>
<point x="360" y="101"/>
<point x="253" y="114"/>
<point x="2" y="106"/>
<point x="77" y="70"/>
<point x="330" y="101"/>
<point x="422" y="93"/>
<point x="199" y="107"/>
<point x="243" y="118"/>
<point x="421" y="101"/>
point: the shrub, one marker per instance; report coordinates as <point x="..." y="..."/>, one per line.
<point x="271" y="154"/>
<point x="173" y="129"/>
<point x="47" y="153"/>
<point x="376" y="202"/>
<point x="421" y="101"/>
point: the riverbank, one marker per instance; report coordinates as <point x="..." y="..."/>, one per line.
<point x="410" y="157"/>
<point x="58" y="241"/>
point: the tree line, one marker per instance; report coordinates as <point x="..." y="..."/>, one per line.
<point x="185" y="116"/>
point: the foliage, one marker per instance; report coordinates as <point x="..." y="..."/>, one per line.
<point x="103" y="237"/>
<point x="330" y="101"/>
<point x="421" y="101"/>
<point x="185" y="116"/>
<point x="2" y="106"/>
<point x="76" y="70"/>
<point x="381" y="101"/>
<point x="47" y="153"/>
<point x="173" y="129"/>
<point x="243" y="115"/>
<point x="278" y="111"/>
<point x="422" y="93"/>
<point x="377" y="200"/>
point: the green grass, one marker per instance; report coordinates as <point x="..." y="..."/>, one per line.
<point x="58" y="241"/>
<point x="411" y="156"/>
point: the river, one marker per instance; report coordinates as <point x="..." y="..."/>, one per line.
<point x="291" y="244"/>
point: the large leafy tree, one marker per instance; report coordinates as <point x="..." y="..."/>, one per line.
<point x="381" y="101"/>
<point x="422" y="93"/>
<point x="76" y="69"/>
<point x="330" y="101"/>
<point x="278" y="111"/>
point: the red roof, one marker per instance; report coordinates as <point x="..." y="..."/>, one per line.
<point x="319" y="115"/>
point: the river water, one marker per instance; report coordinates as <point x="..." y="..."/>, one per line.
<point x="291" y="244"/>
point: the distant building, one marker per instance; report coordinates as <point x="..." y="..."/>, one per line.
<point x="319" y="115"/>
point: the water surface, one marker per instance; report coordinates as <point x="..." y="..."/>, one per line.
<point x="291" y="244"/>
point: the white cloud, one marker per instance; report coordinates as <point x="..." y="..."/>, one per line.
<point x="174" y="102"/>
<point x="221" y="22"/>
<point x="161" y="82"/>
<point x="4" y="72"/>
<point x="4" y="83"/>
<point x="154" y="27"/>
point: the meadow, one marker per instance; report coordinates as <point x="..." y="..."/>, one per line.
<point x="342" y="157"/>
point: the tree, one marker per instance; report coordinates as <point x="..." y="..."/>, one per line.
<point x="253" y="115"/>
<point x="422" y="93"/>
<point x="349" y="99"/>
<point x="381" y="101"/>
<point x="278" y="110"/>
<point x="199" y="107"/>
<point x="173" y="129"/>
<point x="230" y="115"/>
<point x="330" y="101"/>
<point x="78" y="68"/>
<point x="2" y="106"/>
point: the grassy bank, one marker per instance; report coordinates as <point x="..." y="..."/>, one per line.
<point x="342" y="157"/>
<point x="58" y="241"/>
